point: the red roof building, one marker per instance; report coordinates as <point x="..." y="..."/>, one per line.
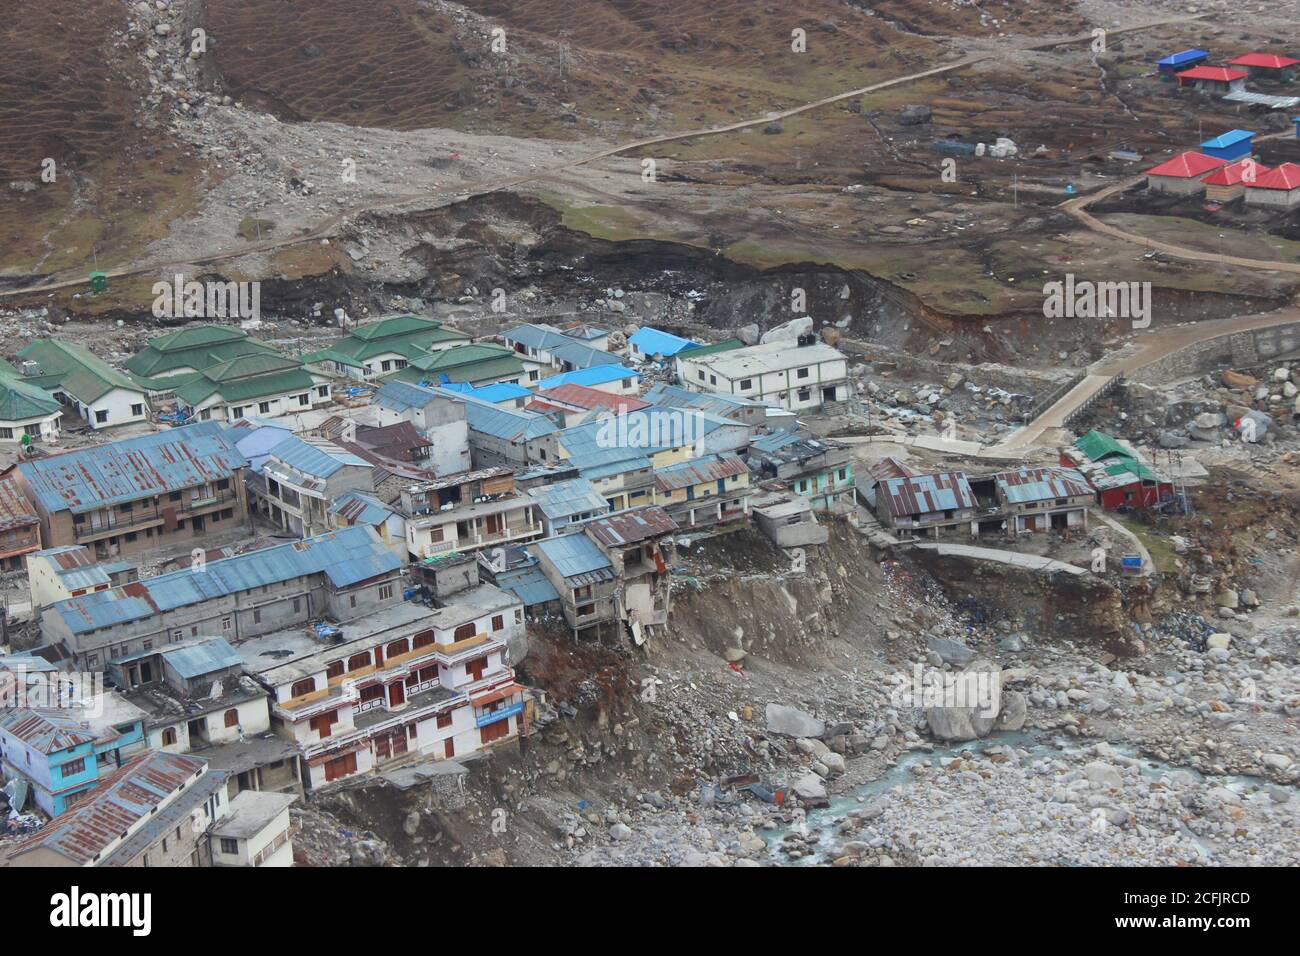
<point x="1264" y="61"/>
<point x="1285" y="177"/>
<point x="594" y="398"/>
<point x="1213" y="74"/>
<point x="1233" y="174"/>
<point x="1188" y="165"/>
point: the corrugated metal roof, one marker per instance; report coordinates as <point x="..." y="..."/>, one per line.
<point x="134" y="468"/>
<point x="347" y="556"/>
<point x="1185" y="56"/>
<point x="15" y="510"/>
<point x="357" y="507"/>
<point x="536" y="335"/>
<point x="400" y="396"/>
<point x="1230" y="138"/>
<point x="652" y="341"/>
<point x="511" y="424"/>
<point x="1041" y="484"/>
<point x="500" y="392"/>
<point x="315" y="456"/>
<point x="529" y="584"/>
<point x="699" y="471"/>
<point x="45" y="730"/>
<point x="565" y="498"/>
<point x="580" y="355"/>
<point x="577" y="558"/>
<point x="589" y="398"/>
<point x="201" y="657"/>
<point x="631" y="527"/>
<point x="673" y="396"/>
<point x="927" y="494"/>
<point x="119" y="802"/>
<point x="597" y="375"/>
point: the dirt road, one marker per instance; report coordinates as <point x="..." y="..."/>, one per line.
<point x="1153" y="346"/>
<point x="328" y="227"/>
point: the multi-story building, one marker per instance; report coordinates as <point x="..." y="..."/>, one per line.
<point x="141" y="494"/>
<point x="801" y="376"/>
<point x="467" y="512"/>
<point x="586" y="582"/>
<point x="403" y="681"/>
<point x="20" y="525"/>
<point x="302" y="478"/>
<point x="817" y="468"/>
<point x="339" y="576"/>
<point x="157" y="809"/>
<point x="702" y="492"/>
<point x="193" y="348"/>
<point x="57" y="574"/>
<point x="566" y="503"/>
<point x="638" y="544"/>
<point x="385" y="346"/>
<point x="439" y="420"/>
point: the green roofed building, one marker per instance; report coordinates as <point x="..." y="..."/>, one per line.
<point x="25" y="409"/>
<point x="388" y="345"/>
<point x="98" y="393"/>
<point x="193" y="348"/>
<point x="479" y="364"/>
<point x="260" y="385"/>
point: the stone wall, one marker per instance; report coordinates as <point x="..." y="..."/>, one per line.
<point x="1236" y="349"/>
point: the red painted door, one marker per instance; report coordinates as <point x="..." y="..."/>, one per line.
<point x="396" y="694"/>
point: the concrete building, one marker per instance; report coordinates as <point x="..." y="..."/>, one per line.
<point x="923" y="505"/>
<point x="193" y="348"/>
<point x="1232" y="145"/>
<point x="1213" y="79"/>
<point x="57" y="574"/>
<point x="755" y="414"/>
<point x="385" y="346"/>
<point x="353" y="508"/>
<point x="638" y="544"/>
<point x="407" y="680"/>
<point x="1032" y="499"/>
<point x="339" y="576"/>
<point x="438" y="419"/>
<point x="264" y="385"/>
<point x="20" y="525"/>
<point x="567" y="503"/>
<point x="796" y="377"/>
<point x="301" y="480"/>
<point x="255" y="831"/>
<point x="89" y="387"/>
<point x="586" y="582"/>
<point x="816" y="468"/>
<point x="28" y="414"/>
<point x="467" y="512"/>
<point x="648" y="344"/>
<point x="162" y="490"/>
<point x="505" y="436"/>
<point x="703" y="492"/>
<point x="1278" y="188"/>
<point x="544" y="346"/>
<point x="1269" y="67"/>
<point x="788" y="520"/>
<point x="158" y="809"/>
<point x="1182" y="175"/>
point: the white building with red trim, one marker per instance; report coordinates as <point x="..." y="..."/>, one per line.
<point x="405" y="681"/>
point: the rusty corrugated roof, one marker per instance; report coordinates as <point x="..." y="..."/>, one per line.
<point x="630" y="527"/>
<point x="927" y="494"/>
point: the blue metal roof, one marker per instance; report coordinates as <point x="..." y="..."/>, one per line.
<point x="536" y="335"/>
<point x="529" y="584"/>
<point x="591" y="377"/>
<point x="510" y="424"/>
<point x="255" y="443"/>
<point x="674" y="396"/>
<point x="201" y="657"/>
<point x="652" y="341"/>
<point x="576" y="556"/>
<point x="572" y="497"/>
<point x="1177" y="59"/>
<point x="1042" y="484"/>
<point x="315" y="457"/>
<point x="133" y="468"/>
<point x="401" y="396"/>
<point x="500" y="392"/>
<point x="347" y="556"/>
<point x="1230" y="138"/>
<point x="361" y="508"/>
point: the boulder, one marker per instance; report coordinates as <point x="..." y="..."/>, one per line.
<point x="958" y="655"/>
<point x="1232" y="379"/>
<point x="749" y="334"/>
<point x="1014" y="711"/>
<point x="788" y="331"/>
<point x="792" y="722"/>
<point x="1102" y="773"/>
<point x="916" y="115"/>
<point x="810" y="789"/>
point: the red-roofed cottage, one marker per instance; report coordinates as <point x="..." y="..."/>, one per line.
<point x="1278" y="187"/>
<point x="1182" y="175"/>
<point x="1229" y="182"/>
<point x="1214" y="79"/>
<point x="1267" y="66"/>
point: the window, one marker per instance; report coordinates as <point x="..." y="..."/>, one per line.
<point x="805" y="395"/>
<point x="126" y="507"/>
<point x="223" y="484"/>
<point x="464" y="632"/>
<point x="130" y="536"/>
<point x="101" y="417"/>
<point x="444" y="720"/>
<point x="297" y="605"/>
<point x="498" y="622"/>
<point x="352" y="600"/>
<point x="334" y="669"/>
<point x="225" y="623"/>
<point x="264" y="407"/>
<point x="304" y="399"/>
<point x="323" y="723"/>
<point x="323" y="391"/>
<point x="398" y="648"/>
<point x="137" y="409"/>
<point x="385" y="592"/>
<point x="169" y="737"/>
<point x="6" y="433"/>
<point x="713" y="380"/>
<point x="801" y="373"/>
<point x="844" y="473"/>
<point x="229" y="846"/>
<point x="586" y="609"/>
<point x="257" y="615"/>
<point x="304" y="686"/>
<point x="232" y="718"/>
<point x="340" y="767"/>
<point x="423" y="639"/>
<point x="237" y="411"/>
<point x="73" y="767"/>
<point x="358" y="661"/>
<point x="700" y="374"/>
<point x="174" y="496"/>
<point x="178" y="636"/>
